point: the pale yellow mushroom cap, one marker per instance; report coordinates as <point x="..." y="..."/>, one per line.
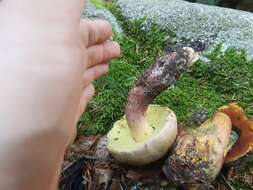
<point x="125" y="149"/>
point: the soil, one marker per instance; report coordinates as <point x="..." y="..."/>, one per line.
<point x="88" y="165"/>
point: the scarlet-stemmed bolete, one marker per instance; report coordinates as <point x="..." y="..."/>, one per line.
<point x="147" y="132"/>
<point x="198" y="153"/>
<point x="242" y="124"/>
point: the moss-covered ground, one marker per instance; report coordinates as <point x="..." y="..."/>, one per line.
<point x="228" y="77"/>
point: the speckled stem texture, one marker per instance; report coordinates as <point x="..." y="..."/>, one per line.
<point x="161" y="75"/>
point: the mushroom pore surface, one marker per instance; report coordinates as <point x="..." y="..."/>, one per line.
<point x="161" y="75"/>
<point x="126" y="150"/>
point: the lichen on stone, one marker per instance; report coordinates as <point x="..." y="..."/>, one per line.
<point x="191" y="21"/>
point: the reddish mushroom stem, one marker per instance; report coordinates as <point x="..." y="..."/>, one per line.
<point x="161" y="75"/>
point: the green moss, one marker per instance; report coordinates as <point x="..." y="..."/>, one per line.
<point x="189" y="96"/>
<point x="229" y="73"/>
<point x="99" y="4"/>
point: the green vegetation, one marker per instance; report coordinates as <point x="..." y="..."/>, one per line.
<point x="99" y="4"/>
<point x="229" y="73"/>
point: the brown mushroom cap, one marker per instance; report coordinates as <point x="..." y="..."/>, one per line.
<point x="244" y="125"/>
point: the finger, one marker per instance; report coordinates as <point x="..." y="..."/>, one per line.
<point x="94" y="32"/>
<point x="88" y="93"/>
<point x="73" y="136"/>
<point x="94" y="73"/>
<point x="103" y="53"/>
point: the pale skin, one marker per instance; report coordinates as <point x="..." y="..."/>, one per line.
<point x="49" y="58"/>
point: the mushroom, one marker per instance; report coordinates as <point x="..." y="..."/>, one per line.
<point x="244" y="126"/>
<point x="146" y="132"/>
<point x="198" y="154"/>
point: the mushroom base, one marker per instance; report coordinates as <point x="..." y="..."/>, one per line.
<point x="198" y="154"/>
<point x="125" y="149"/>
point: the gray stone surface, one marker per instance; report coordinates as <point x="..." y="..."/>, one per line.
<point x="92" y="13"/>
<point x="192" y="21"/>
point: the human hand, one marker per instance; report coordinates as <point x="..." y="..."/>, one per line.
<point x="49" y="58"/>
